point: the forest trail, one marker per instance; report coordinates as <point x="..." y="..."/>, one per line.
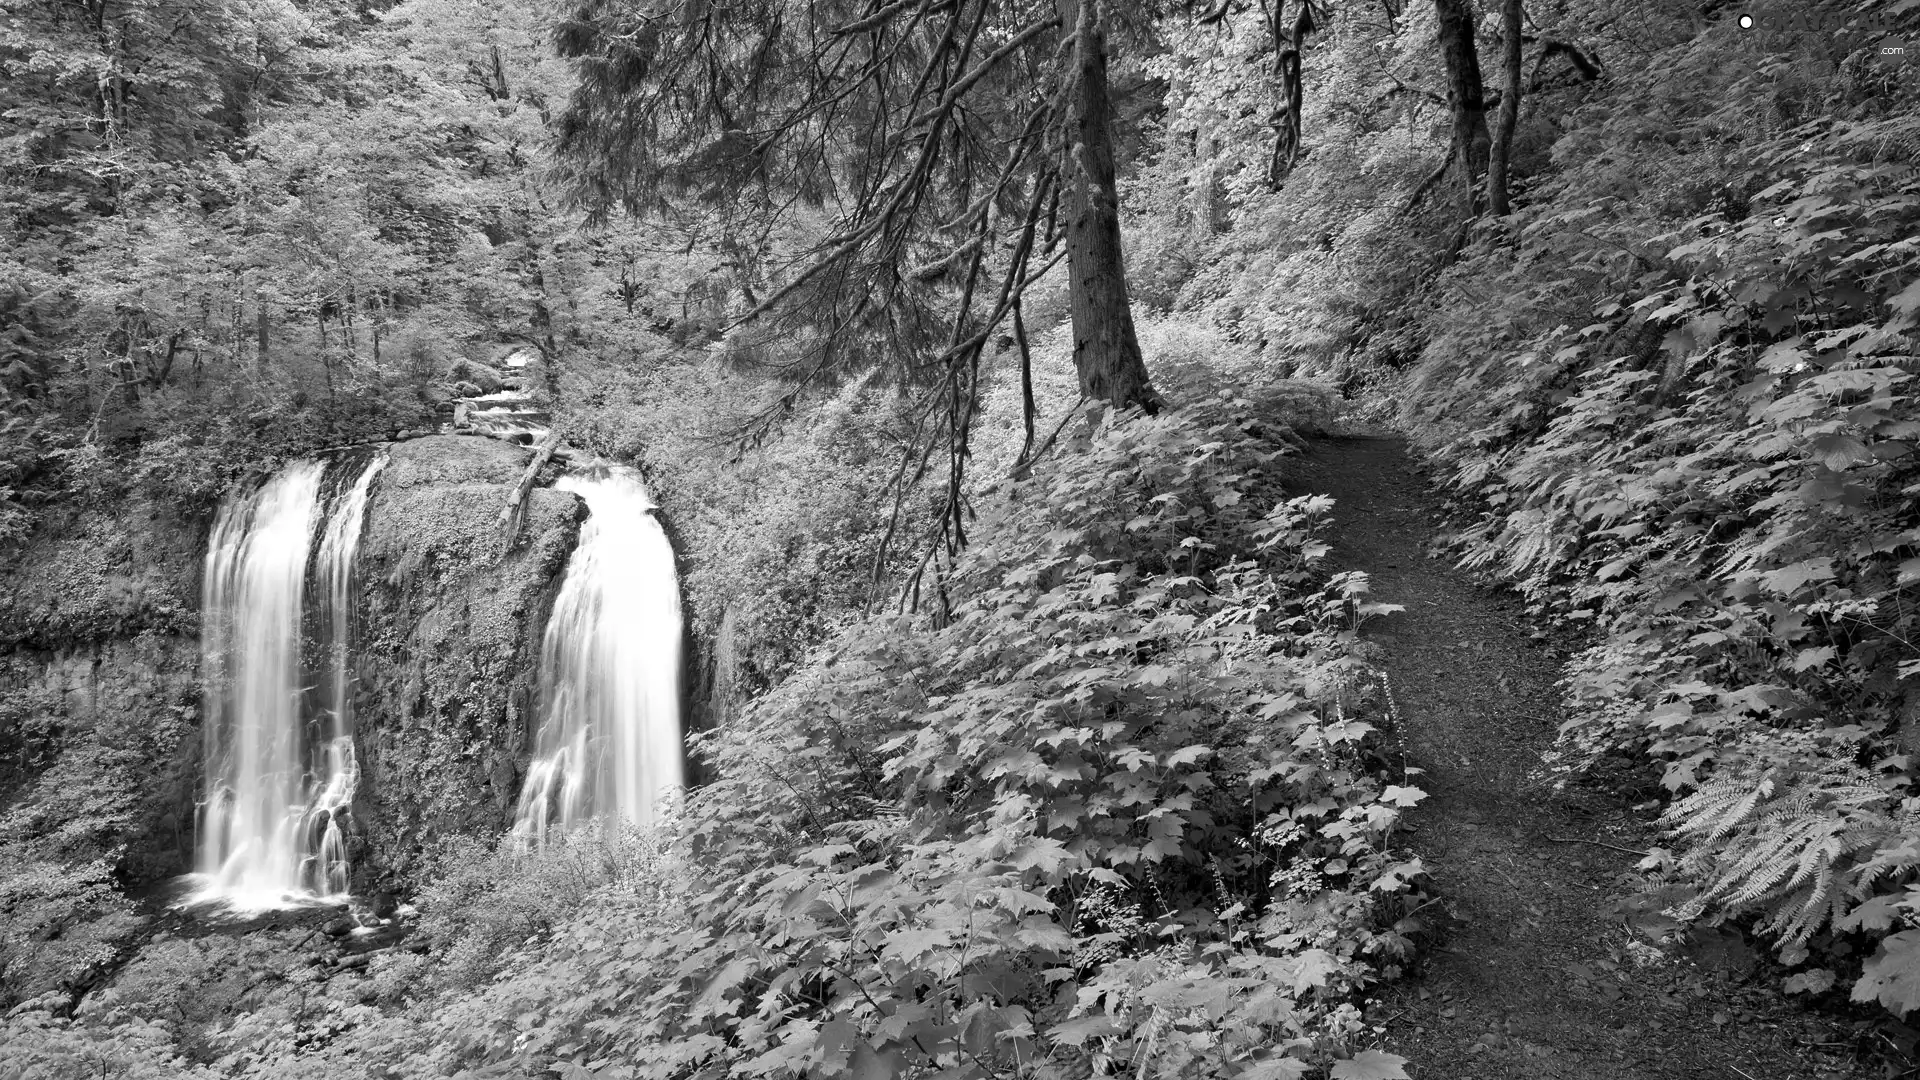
<point x="1535" y="978"/>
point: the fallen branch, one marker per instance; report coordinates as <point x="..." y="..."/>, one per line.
<point x="1597" y="843"/>
<point x="1585" y="64"/>
<point x="516" y="510"/>
<point x="1432" y="179"/>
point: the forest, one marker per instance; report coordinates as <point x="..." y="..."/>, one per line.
<point x="1263" y="539"/>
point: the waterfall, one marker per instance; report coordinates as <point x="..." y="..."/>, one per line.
<point x="610" y="740"/>
<point x="332" y="802"/>
<point x="280" y="770"/>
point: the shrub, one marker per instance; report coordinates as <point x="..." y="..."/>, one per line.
<point x="489" y="905"/>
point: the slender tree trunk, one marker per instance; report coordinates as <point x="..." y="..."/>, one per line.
<point x="326" y="355"/>
<point x="260" y="328"/>
<point x="541" y="318"/>
<point x="1106" y="349"/>
<point x="376" y="314"/>
<point x="348" y="330"/>
<point x="236" y="320"/>
<point x="1466" y="93"/>
<point x="157" y="377"/>
<point x="1497" y="165"/>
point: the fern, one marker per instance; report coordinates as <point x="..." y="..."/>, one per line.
<point x="1796" y="846"/>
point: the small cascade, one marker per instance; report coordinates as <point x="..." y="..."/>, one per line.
<point x="610" y="741"/>
<point x="280" y="770"/>
<point x="340" y="773"/>
<point x="513" y="412"/>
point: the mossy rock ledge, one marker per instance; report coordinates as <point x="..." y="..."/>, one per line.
<point x="449" y="640"/>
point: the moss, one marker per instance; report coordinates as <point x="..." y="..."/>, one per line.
<point x="111" y="572"/>
<point x="451" y="637"/>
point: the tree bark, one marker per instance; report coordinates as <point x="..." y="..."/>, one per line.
<point x="1288" y="43"/>
<point x="1106" y="348"/>
<point x="1466" y="94"/>
<point x="1497" y="164"/>
<point x="261" y="327"/>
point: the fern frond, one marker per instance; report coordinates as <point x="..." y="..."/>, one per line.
<point x="1718" y="807"/>
<point x="1771" y="861"/>
<point x="1799" y="843"/>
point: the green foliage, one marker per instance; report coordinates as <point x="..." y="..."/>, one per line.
<point x="41" y="1046"/>
<point x="63" y="848"/>
<point x="1318" y="278"/>
<point x="62" y="923"/>
<point x="1802" y="847"/>
<point x="488" y="907"/>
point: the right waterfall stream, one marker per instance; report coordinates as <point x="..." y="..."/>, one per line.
<point x="610" y="743"/>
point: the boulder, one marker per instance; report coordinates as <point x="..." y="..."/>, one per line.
<point x="472" y="371"/>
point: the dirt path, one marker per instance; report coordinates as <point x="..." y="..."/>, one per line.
<point x="1536" y="979"/>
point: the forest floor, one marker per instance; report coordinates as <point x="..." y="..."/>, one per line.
<point x="1535" y="977"/>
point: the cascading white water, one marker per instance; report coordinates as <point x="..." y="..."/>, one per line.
<point x="277" y="783"/>
<point x="610" y="742"/>
<point x="328" y="869"/>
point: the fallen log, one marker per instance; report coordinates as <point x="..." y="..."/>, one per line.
<point x="516" y="510"/>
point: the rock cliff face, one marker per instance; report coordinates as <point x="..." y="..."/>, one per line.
<point x="99" y="650"/>
<point x="449" y="645"/>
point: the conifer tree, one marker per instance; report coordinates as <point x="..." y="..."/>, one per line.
<point x="955" y="150"/>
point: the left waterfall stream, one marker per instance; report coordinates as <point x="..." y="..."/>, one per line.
<point x="276" y="642"/>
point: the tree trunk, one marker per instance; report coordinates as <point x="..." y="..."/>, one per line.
<point x="1497" y="183"/>
<point x="1288" y="42"/>
<point x="1466" y="93"/>
<point x="376" y="315"/>
<point x="1106" y="349"/>
<point x="261" y="326"/>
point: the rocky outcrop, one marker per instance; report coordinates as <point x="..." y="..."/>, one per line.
<point x="99" y="650"/>
<point x="449" y="641"/>
<point x="717" y="690"/>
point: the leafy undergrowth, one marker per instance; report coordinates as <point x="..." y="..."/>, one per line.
<point x="1124" y="806"/>
<point x="1697" y="438"/>
<point x="1119" y="812"/>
